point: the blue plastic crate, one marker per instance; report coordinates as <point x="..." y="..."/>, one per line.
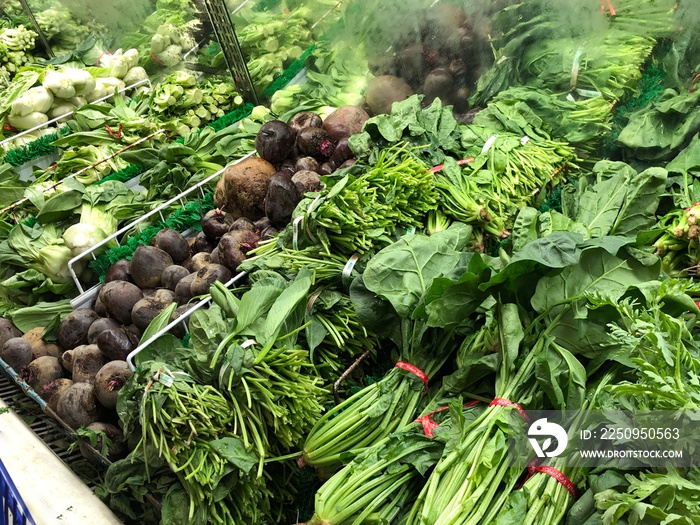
<point x="14" y="511"/>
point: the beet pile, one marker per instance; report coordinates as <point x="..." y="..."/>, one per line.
<point x="442" y="57"/>
<point x="292" y="158"/>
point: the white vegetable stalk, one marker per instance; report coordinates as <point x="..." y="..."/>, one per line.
<point x="35" y="100"/>
<point x="27" y="121"/>
<point x="60" y="84"/>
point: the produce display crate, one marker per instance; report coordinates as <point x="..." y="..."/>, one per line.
<point x="14" y="511"/>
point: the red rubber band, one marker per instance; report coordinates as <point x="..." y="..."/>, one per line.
<point x="116" y="134"/>
<point x="158" y="60"/>
<point x="415" y="371"/>
<point x="693" y="83"/>
<point x="499" y="401"/>
<point x="556" y="474"/>
<point x="608" y="4"/>
<point x="429" y="425"/>
<point x="439" y="167"/>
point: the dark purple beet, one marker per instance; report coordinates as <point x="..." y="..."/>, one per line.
<point x="305" y="119"/>
<point x="243" y="223"/>
<point x="275" y="141"/>
<point x="261" y="224"/>
<point x="288" y="166"/>
<point x="342" y="152"/>
<point x="306" y="164"/>
<point x="281" y="199"/>
<point x="216" y="222"/>
<point x="315" y="142"/>
<point x="347" y="164"/>
<point x="200" y="243"/>
<point x="326" y="168"/>
<point x="119" y="271"/>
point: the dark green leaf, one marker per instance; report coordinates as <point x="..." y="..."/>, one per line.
<point x="234" y="451"/>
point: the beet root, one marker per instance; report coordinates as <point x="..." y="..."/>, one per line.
<point x="344" y="122"/>
<point x="74" y="328"/>
<point x="242" y="188"/>
<point x="173" y="243"/>
<point x="78" y="406"/>
<point x="147" y="266"/>
<point x="41" y="371"/>
<point x="315" y="142"/>
<point x="109" y="380"/>
<point x="275" y="141"/>
<point x="53" y="390"/>
<point x="87" y="361"/>
<point x="119" y="297"/>
<point x="17" y="352"/>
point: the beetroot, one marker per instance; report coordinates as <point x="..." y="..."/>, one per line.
<point x="305" y="119"/>
<point x="216" y="222"/>
<point x="345" y="121"/>
<point x="275" y="141"/>
<point x="78" y="405"/>
<point x="109" y="380"/>
<point x="315" y="142"/>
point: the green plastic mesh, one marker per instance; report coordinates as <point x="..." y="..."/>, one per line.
<point x="649" y="89"/>
<point x="286" y="77"/>
<point x="182" y="219"/>
<point x="128" y="173"/>
<point x="35" y="149"/>
<point x="553" y="201"/>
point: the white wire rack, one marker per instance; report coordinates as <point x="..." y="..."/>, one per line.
<point x="70" y="113"/>
<point x="182" y="319"/>
<point x="182" y="198"/>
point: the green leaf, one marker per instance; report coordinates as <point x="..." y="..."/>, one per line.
<point x="207" y="328"/>
<point x="283" y="306"/>
<point x="524" y="229"/>
<point x="60" y="206"/>
<point x="159" y="322"/>
<point x="638" y="212"/>
<point x="402" y="272"/>
<point x="234" y="451"/>
<point x="562" y="377"/>
<point x="254" y="303"/>
<point x="600" y="205"/>
<point x="449" y="303"/>
<point x="558" y="250"/>
<point x="597" y="270"/>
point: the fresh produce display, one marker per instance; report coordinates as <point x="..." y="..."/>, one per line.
<point x="465" y="215"/>
<point x="16" y="44"/>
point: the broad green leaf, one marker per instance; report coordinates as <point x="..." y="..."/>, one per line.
<point x="159" y="322"/>
<point x="449" y="303"/>
<point x="558" y="250"/>
<point x="511" y="334"/>
<point x="283" y="306"/>
<point x="60" y="206"/>
<point x="234" y="451"/>
<point x="207" y="328"/>
<point x="597" y="270"/>
<point x="524" y="228"/>
<point x="562" y="377"/>
<point x="254" y="303"/>
<point x="402" y="272"/>
<point x="600" y="205"/>
<point x="638" y="211"/>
